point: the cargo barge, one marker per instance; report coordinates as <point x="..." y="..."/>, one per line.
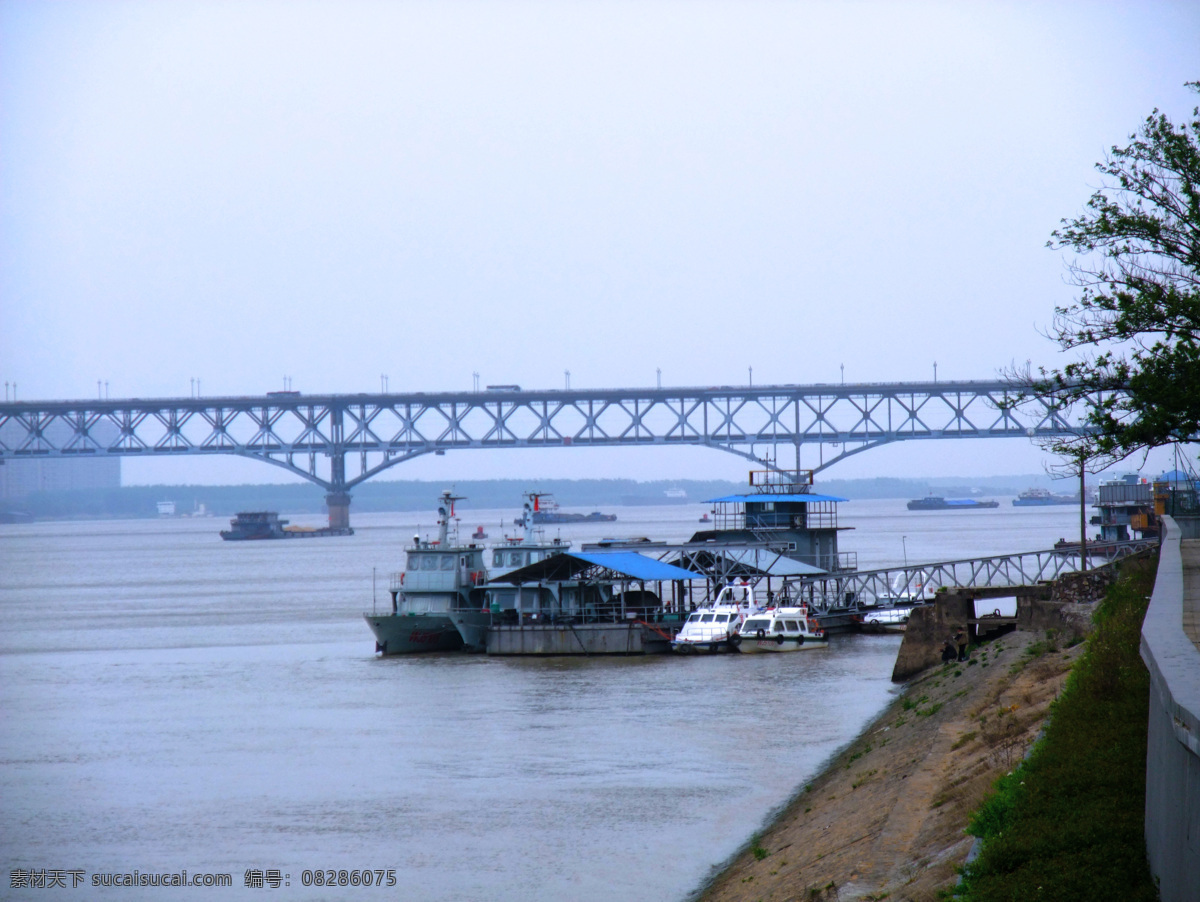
<point x="936" y="503"/>
<point x="547" y="513"/>
<point x="255" y="525"/>
<point x="1042" y="498"/>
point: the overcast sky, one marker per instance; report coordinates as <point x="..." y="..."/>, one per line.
<point x="240" y="191"/>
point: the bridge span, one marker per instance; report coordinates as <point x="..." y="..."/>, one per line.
<point x="314" y="435"/>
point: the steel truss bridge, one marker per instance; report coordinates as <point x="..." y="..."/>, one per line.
<point x="314" y="436"/>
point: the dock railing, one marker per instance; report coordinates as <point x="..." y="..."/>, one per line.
<point x="869" y="588"/>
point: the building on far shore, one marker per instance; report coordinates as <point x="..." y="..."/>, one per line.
<point x="22" y="478"/>
<point x="25" y="476"/>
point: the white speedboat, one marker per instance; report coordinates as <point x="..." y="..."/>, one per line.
<point x="885" y="620"/>
<point x="711" y="628"/>
<point x="779" y="629"/>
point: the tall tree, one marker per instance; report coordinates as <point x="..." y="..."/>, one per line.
<point x="1137" y="316"/>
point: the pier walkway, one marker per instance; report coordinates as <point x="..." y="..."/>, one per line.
<point x="918" y="582"/>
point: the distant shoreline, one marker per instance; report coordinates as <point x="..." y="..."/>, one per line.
<point x="137" y="501"/>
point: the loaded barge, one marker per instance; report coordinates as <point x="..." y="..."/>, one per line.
<point x="937" y="503"/>
<point x="254" y="525"/>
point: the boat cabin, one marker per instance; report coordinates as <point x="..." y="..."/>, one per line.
<point x="781" y="507"/>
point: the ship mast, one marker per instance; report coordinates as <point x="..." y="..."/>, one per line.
<point x="445" y="515"/>
<point x="532" y="505"/>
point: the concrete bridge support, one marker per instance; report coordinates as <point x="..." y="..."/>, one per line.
<point x="338" y="504"/>
<point x="1171" y="650"/>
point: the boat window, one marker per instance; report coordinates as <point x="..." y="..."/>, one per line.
<point x="447" y="562"/>
<point x="791" y="625"/>
<point x="706" y="618"/>
<point x="514" y="559"/>
<point x="497" y="558"/>
<point x="428" y="562"/>
<point x="721" y="618"/>
<point x="778" y="627"/>
<point x="414" y="562"/>
<point x="755" y="625"/>
<point x="695" y="618"/>
<point x="535" y="557"/>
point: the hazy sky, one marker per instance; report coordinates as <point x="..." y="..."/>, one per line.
<point x="241" y="191"/>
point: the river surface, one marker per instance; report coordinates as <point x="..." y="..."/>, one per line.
<point x="173" y="702"/>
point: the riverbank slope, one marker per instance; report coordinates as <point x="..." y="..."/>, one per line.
<point x="885" y="818"/>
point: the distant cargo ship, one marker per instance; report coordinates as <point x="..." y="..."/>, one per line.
<point x="547" y="513"/>
<point x="1042" y="498"/>
<point x="936" y="503"/>
<point x="253" y="525"/>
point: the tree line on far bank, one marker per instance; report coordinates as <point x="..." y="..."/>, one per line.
<point x="581" y="495"/>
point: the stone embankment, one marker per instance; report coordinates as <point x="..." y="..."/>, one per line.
<point x="885" y="818"/>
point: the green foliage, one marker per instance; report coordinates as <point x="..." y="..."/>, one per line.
<point x="1138" y="312"/>
<point x="995" y="814"/>
<point x="757" y="849"/>
<point x="963" y="740"/>
<point x="1067" y="824"/>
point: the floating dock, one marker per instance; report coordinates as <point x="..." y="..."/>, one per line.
<point x="634" y="637"/>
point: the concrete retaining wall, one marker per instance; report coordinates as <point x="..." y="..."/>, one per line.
<point x="929" y="626"/>
<point x="1173" y="755"/>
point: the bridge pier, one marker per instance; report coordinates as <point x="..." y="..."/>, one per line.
<point x="338" y="504"/>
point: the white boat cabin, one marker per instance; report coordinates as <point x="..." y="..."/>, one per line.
<point x="779" y="629"/>
<point x="713" y="625"/>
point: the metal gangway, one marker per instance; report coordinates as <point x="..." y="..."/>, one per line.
<point x="917" y="583"/>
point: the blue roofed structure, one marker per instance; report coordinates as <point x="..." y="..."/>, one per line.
<point x="781" y="509"/>
<point x="791" y="497"/>
<point x="608" y="565"/>
<point x="635" y="566"/>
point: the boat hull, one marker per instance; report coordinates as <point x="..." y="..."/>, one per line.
<point x="774" y="646"/>
<point x="406" y="634"/>
<point x="709" y="647"/>
<point x="473" y="628"/>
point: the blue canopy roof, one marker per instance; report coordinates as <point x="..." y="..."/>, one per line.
<point x="634" y="565"/>
<point x="730" y="499"/>
<point x="570" y="564"/>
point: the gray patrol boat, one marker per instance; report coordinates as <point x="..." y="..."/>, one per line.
<point x="504" y="600"/>
<point x="438" y="579"/>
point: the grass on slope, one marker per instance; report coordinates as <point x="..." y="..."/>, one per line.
<point x="1068" y="823"/>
